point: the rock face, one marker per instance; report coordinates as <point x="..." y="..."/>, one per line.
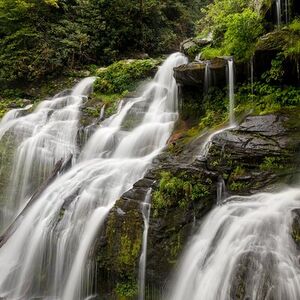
<point x="250" y="158"/>
<point x="261" y="151"/>
<point x="192" y="46"/>
<point x="193" y="74"/>
<point x="267" y="49"/>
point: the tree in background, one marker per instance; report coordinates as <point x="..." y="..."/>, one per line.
<point x="42" y="37"/>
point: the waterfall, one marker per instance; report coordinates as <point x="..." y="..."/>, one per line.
<point x="278" y="12"/>
<point x="221" y="190"/>
<point x="35" y="142"/>
<point x="287" y="11"/>
<point x="231" y="91"/>
<point x="47" y="256"/>
<point x="14" y="114"/>
<point x="207" y="76"/>
<point x="102" y="112"/>
<point x="145" y="207"/>
<point x="243" y="250"/>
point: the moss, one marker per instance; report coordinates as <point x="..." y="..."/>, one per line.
<point x="175" y="247"/>
<point x="124" y="241"/>
<point x="236" y="186"/>
<point x="124" y="75"/>
<point x="237" y="172"/>
<point x="126" y="290"/>
<point x="271" y="163"/>
<point x="181" y="190"/>
<point x="129" y="250"/>
<point x="210" y="52"/>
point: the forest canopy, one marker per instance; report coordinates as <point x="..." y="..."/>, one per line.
<point x="42" y="37"/>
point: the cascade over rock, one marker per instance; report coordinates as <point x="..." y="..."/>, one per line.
<point x="248" y="146"/>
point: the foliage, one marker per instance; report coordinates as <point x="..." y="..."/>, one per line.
<point x="177" y="189"/>
<point x="127" y="289"/>
<point x="243" y="30"/>
<point x="276" y="73"/>
<point x="123" y="75"/>
<point x="41" y="38"/>
<point x="271" y="163"/>
<point x="295" y="26"/>
<point x="235" y="28"/>
<point x="237" y="172"/>
<point x="211" y="52"/>
<point x="217" y="15"/>
<point x="266" y="98"/>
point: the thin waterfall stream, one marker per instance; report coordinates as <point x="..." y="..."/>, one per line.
<point x="146" y="208"/>
<point x="47" y="255"/>
<point x="231" y="91"/>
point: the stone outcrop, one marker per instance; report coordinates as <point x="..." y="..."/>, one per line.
<point x="193" y="74"/>
<point x="192" y="46"/>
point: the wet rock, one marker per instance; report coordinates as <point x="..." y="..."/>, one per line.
<point x="296" y="227"/>
<point x="192" y="46"/>
<point x="260" y="151"/>
<point x="193" y="74"/>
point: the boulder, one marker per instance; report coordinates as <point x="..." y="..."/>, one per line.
<point x="193" y="74"/>
<point x="192" y="46"/>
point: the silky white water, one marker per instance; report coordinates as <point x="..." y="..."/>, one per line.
<point x="146" y="208"/>
<point x="278" y="12"/>
<point x="48" y="254"/>
<point x="33" y="143"/>
<point x="243" y="246"/>
<point x="231" y="91"/>
<point x="207" y="76"/>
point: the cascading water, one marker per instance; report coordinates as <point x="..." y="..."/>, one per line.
<point x="231" y="91"/>
<point x="221" y="190"/>
<point x="145" y="207"/>
<point x="278" y="12"/>
<point x="243" y="250"/>
<point x="287" y="9"/>
<point x="207" y="76"/>
<point x="47" y="255"/>
<point x="14" y="114"/>
<point x="35" y="142"/>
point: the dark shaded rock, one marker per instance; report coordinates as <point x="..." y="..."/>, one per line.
<point x="119" y="247"/>
<point x="244" y="279"/>
<point x="192" y="46"/>
<point x="296" y="227"/>
<point x="260" y="151"/>
<point x="193" y="74"/>
<point x="267" y="49"/>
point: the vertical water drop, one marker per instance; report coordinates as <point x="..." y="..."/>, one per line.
<point x="278" y="11"/>
<point x="145" y="207"/>
<point x="221" y="190"/>
<point x="207" y="77"/>
<point x="231" y="91"/>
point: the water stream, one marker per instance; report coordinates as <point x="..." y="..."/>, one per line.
<point x="278" y="12"/>
<point x="231" y="91"/>
<point x="48" y="255"/>
<point x="207" y="76"/>
<point x="244" y="249"/>
<point x="34" y="142"/>
<point x="145" y="207"/>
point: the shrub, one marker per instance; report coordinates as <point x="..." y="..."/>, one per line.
<point x="243" y="30"/>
